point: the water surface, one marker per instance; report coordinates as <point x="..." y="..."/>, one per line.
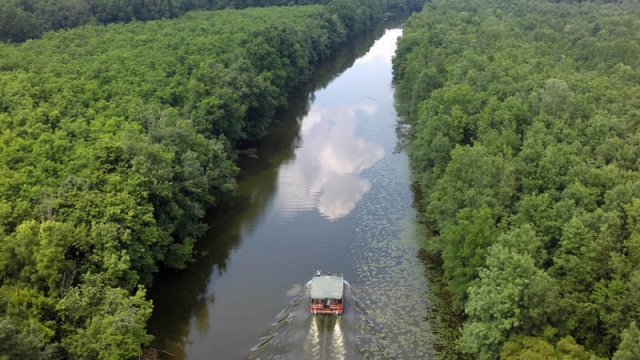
<point x="326" y="191"/>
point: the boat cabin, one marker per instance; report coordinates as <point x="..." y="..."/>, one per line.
<point x="327" y="293"/>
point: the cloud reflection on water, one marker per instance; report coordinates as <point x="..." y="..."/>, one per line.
<point x="325" y="173"/>
<point x="383" y="50"/>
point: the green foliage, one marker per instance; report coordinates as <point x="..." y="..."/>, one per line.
<point x="511" y="296"/>
<point x="26" y="340"/>
<point x="534" y="348"/>
<point x="104" y="322"/>
<point x="16" y="24"/>
<point x="23" y="332"/>
<point x="473" y="178"/>
<point x="524" y="142"/>
<point x="116" y="139"/>
<point x="629" y="348"/>
<point x="26" y="19"/>
<point x="465" y="246"/>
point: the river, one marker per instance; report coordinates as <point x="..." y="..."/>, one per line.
<point x="327" y="190"/>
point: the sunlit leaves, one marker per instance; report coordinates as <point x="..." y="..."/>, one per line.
<point x="104" y="322"/>
<point x="534" y="348"/>
<point x="630" y="345"/>
<point x="511" y="295"/>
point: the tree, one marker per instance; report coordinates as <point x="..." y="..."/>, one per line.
<point x="29" y="341"/>
<point x="473" y="178"/>
<point x="629" y="348"/>
<point x="529" y="109"/>
<point x="510" y="296"/>
<point x="466" y="243"/>
<point x="16" y="24"/>
<point x="116" y="139"/>
<point x="537" y="348"/>
<point x="555" y="97"/>
<point x="103" y="322"/>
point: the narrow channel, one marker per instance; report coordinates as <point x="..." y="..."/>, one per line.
<point x="328" y="191"/>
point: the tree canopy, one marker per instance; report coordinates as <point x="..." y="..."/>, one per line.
<point x="21" y="20"/>
<point x="525" y="140"/>
<point x="113" y="142"/>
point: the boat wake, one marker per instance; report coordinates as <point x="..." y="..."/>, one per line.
<point x="298" y="334"/>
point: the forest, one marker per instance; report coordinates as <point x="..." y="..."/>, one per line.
<point x="525" y="141"/>
<point x="21" y="20"/>
<point x="115" y="139"/>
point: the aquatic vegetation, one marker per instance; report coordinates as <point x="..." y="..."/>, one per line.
<point x="391" y="318"/>
<point x="298" y="334"/>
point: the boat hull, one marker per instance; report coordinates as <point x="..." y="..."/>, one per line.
<point x="331" y="310"/>
<point x="327" y="293"/>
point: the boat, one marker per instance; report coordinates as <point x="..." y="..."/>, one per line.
<point x="327" y="293"/>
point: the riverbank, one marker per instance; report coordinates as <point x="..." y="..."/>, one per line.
<point x="523" y="140"/>
<point x="327" y="191"/>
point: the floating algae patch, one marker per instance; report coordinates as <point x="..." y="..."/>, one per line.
<point x="390" y="276"/>
<point x="447" y="322"/>
<point x="298" y="334"/>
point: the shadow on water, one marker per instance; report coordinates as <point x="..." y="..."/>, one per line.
<point x="298" y="334"/>
<point x="181" y="297"/>
<point x="446" y="321"/>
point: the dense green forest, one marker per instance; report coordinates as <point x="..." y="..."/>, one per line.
<point x="525" y="140"/>
<point x="27" y="19"/>
<point x="113" y="142"/>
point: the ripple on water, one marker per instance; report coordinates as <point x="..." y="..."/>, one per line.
<point x="298" y="334"/>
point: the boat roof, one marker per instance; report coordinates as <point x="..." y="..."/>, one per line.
<point x="327" y="287"/>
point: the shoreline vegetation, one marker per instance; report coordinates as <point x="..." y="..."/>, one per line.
<point x="525" y="142"/>
<point x="21" y="20"/>
<point x="115" y="139"/>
